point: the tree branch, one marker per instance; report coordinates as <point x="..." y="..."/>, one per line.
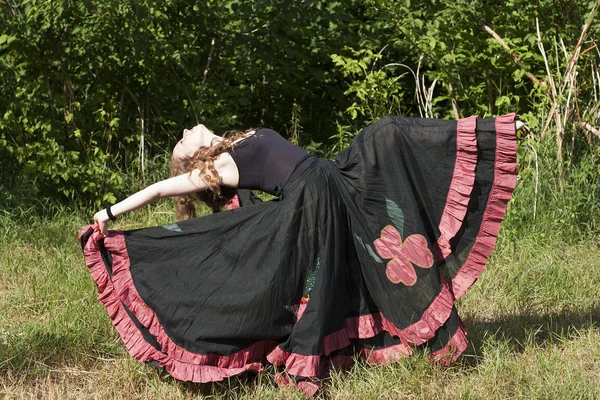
<point x="590" y="128"/>
<point x="206" y="69"/>
<point x="513" y="55"/>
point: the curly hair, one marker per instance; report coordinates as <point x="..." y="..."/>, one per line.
<point x="215" y="196"/>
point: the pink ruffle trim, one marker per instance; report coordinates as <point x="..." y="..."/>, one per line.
<point x="386" y="355"/>
<point x="308" y="387"/>
<point x="180" y="363"/>
<point x="505" y="180"/>
<point x="461" y="185"/>
<point x="367" y="326"/>
<point x="453" y="349"/>
<point x="188" y="366"/>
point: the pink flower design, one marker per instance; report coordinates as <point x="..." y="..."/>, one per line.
<point x="414" y="250"/>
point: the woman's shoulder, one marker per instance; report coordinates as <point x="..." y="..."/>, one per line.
<point x="266" y="132"/>
<point x="266" y="135"/>
<point x="269" y="134"/>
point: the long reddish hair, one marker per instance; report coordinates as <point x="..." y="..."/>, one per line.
<point x="215" y="196"/>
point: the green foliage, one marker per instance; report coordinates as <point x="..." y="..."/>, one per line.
<point x="341" y="139"/>
<point x="295" y="125"/>
<point x="459" y="53"/>
<point x="91" y="88"/>
<point x="551" y="204"/>
<point x="92" y="92"/>
<point x="375" y="93"/>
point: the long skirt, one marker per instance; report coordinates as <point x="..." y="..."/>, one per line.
<point x="361" y="257"/>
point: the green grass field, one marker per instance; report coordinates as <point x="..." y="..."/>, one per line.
<point x="532" y="320"/>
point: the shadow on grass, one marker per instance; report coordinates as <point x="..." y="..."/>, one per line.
<point x="524" y="329"/>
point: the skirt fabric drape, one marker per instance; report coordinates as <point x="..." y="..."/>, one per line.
<point x="364" y="256"/>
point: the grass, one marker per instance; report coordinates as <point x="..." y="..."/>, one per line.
<point x="533" y="322"/>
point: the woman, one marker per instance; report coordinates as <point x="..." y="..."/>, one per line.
<point x="362" y="256"/>
<point x="211" y="168"/>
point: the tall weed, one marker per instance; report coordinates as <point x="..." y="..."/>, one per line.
<point x="554" y="202"/>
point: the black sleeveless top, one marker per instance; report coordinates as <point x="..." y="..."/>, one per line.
<point x="265" y="159"/>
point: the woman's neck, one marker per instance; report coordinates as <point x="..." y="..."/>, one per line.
<point x="212" y="139"/>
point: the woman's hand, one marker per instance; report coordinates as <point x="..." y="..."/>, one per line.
<point x="101" y="220"/>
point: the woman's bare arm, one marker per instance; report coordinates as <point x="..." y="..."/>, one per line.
<point x="176" y="186"/>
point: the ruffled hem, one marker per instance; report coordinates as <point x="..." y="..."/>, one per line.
<point x="461" y="185"/>
<point x="118" y="291"/>
<point x="453" y="349"/>
<point x="308" y="387"/>
<point x="368" y="326"/>
<point x="505" y="180"/>
<point x="387" y="355"/>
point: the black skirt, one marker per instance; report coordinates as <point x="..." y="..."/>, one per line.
<point x="362" y="256"/>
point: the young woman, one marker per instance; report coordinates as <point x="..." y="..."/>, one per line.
<point x="364" y="256"/>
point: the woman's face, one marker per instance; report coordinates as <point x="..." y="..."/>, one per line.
<point x="191" y="141"/>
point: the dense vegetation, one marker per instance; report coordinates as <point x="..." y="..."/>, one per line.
<point x="94" y="93"/>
